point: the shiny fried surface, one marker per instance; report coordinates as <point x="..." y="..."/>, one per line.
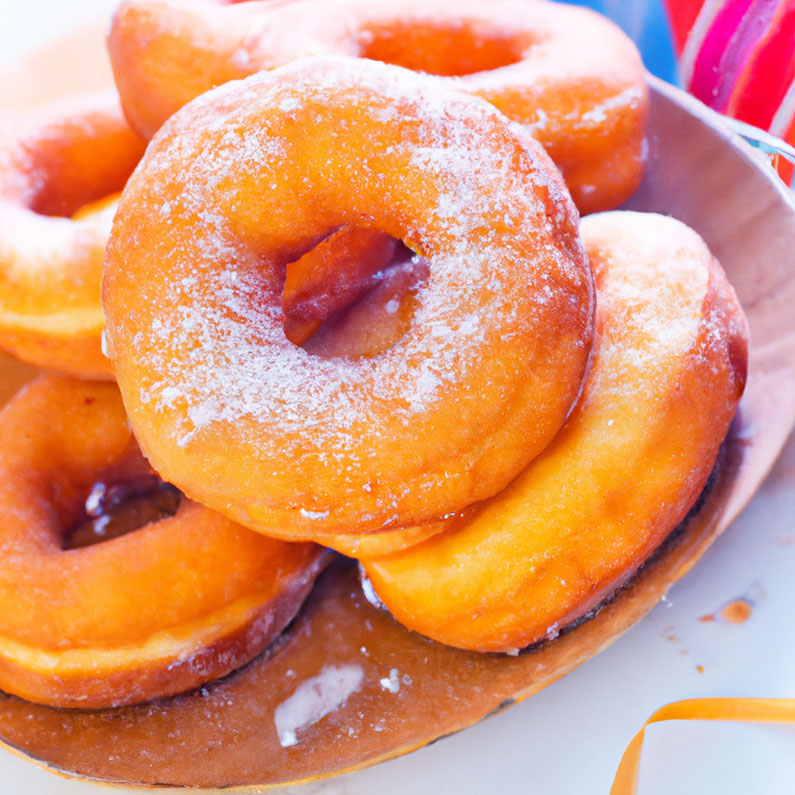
<point x="153" y="612"/>
<point x="668" y="371"/>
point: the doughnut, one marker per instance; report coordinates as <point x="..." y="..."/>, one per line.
<point x="253" y="175"/>
<point x="567" y="74"/>
<point x="54" y="162"/>
<point x="182" y="600"/>
<point x="355" y="293"/>
<point x="668" y="371"/>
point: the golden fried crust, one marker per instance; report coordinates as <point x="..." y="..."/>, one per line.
<point x="668" y="372"/>
<point x="52" y="163"/>
<point x="175" y="603"/>
<point x="571" y="77"/>
<point x="293" y="444"/>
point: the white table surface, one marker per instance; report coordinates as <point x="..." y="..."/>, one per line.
<point x="570" y="737"/>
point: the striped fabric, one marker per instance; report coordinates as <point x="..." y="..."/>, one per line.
<point x="739" y="58"/>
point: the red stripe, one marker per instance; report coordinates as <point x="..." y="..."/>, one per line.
<point x="738" y="57"/>
<point x="789" y="135"/>
<point x="681" y="16"/>
<point x="770" y="73"/>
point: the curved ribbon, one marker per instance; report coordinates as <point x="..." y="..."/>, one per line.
<point x="748" y="710"/>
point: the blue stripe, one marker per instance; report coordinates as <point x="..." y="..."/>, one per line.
<point x="646" y="23"/>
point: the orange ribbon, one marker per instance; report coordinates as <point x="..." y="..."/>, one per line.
<point x="751" y="710"/>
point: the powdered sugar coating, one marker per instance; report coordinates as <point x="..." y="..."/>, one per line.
<point x="700" y="330"/>
<point x="441" y="171"/>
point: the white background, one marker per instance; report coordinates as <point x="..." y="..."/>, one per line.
<point x="570" y="737"/>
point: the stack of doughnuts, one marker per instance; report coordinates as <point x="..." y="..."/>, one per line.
<point x="566" y="74"/>
<point x="349" y="304"/>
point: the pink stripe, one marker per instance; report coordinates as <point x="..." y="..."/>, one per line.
<point x="695" y="39"/>
<point x="707" y="77"/>
<point x="740" y="52"/>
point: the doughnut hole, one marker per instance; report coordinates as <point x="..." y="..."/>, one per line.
<point x="61" y="202"/>
<point x="449" y="50"/>
<point x="353" y="295"/>
<point x="118" y="498"/>
<point x="113" y="509"/>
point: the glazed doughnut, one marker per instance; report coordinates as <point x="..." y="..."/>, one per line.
<point x="52" y="163"/>
<point x="154" y="612"/>
<point x="289" y="443"/>
<point x="669" y="369"/>
<point x="569" y="75"/>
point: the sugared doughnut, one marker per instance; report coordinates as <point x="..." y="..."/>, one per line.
<point x="669" y="369"/>
<point x="53" y="162"/>
<point x="250" y="177"/>
<point x="154" y="612"/>
<point x="567" y="74"/>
